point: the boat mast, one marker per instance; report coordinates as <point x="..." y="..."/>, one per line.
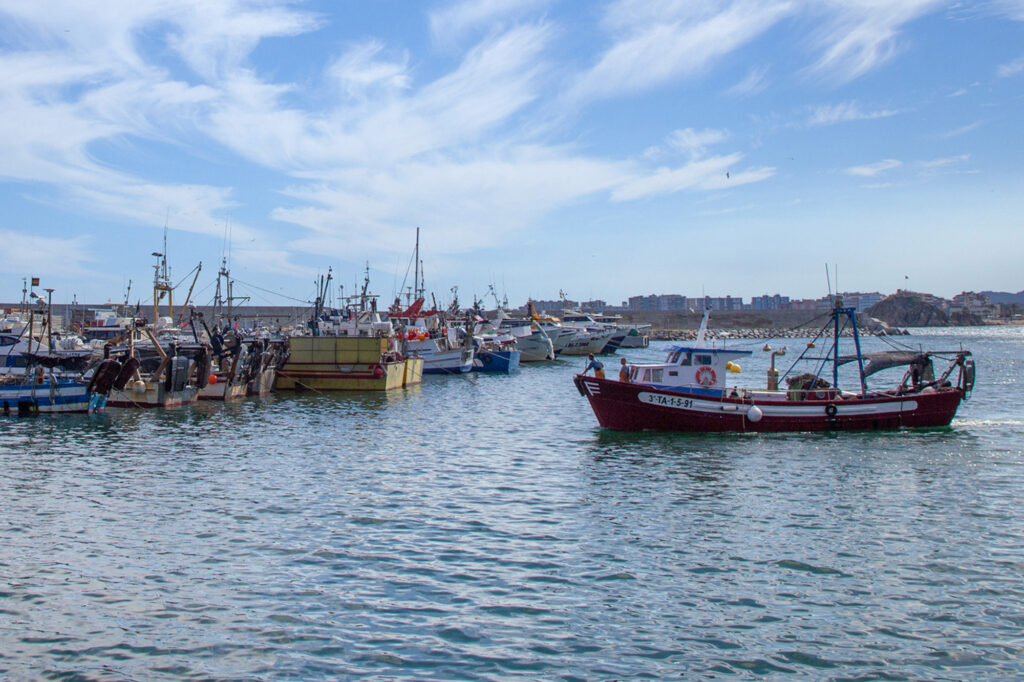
<point x="218" y="301"/>
<point x="49" y="320"/>
<point x="127" y="294"/>
<point x="162" y="282"/>
<point x="319" y="303"/>
<point x="416" y="290"/>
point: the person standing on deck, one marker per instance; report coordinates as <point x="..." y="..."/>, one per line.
<point x="595" y="365"/>
<point x="623" y="371"/>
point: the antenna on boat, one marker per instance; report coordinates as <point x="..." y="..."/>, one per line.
<point x="828" y="281"/>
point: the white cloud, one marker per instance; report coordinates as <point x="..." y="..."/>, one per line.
<point x="860" y="35"/>
<point x="1011" y="68"/>
<point x="465" y="203"/>
<point x="92" y="85"/>
<point x="695" y="142"/>
<point x="30" y="253"/>
<point x="493" y="82"/>
<point x="1014" y="9"/>
<point x="872" y="169"/>
<point x="665" y="41"/>
<point x="459" y="18"/>
<point x="706" y="174"/>
<point x="754" y="82"/>
<point x="359" y="71"/>
<point x="217" y="37"/>
<point x="962" y="130"/>
<point x="944" y="162"/>
<point x="846" y="111"/>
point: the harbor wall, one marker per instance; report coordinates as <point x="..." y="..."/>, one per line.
<point x="286" y="316"/>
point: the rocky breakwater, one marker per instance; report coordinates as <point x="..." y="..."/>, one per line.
<point x="768" y="333"/>
<point x="755" y="325"/>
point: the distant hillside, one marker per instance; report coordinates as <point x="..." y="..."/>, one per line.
<point x="1005" y="297"/>
<point x="907" y="310"/>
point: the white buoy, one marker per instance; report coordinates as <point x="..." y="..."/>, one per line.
<point x="754" y="414"/>
<point x="139" y="387"/>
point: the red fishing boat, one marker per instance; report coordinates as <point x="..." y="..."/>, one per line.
<point x="688" y="392"/>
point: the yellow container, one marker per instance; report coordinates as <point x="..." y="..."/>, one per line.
<point x="340" y="363"/>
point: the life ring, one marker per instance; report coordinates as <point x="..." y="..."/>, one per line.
<point x="706" y="376"/>
<point x="830" y="410"/>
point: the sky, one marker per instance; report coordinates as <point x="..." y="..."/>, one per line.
<point x="603" y="149"/>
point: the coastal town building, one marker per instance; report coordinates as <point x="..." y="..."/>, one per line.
<point x="972" y="302"/>
<point x="967" y="302"/>
<point x="769" y="302"/>
<point x="659" y="302"/>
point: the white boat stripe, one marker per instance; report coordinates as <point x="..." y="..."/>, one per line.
<point x="680" y="402"/>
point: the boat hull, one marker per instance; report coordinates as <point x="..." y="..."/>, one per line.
<point x="154" y="395"/>
<point x="454" y="361"/>
<point x="413" y="372"/>
<point x="635" y="341"/>
<point x="223" y="390"/>
<point x="535" y="348"/>
<point x="497" y="361"/>
<point x="62" y="395"/>
<point x="640" y="407"/>
<point x="263" y="382"/>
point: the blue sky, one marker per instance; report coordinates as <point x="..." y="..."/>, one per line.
<point x="606" y="149"/>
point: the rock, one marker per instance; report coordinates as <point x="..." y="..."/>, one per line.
<point x="908" y="310"/>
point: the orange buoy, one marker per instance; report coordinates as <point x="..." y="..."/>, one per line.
<point x="213" y="379"/>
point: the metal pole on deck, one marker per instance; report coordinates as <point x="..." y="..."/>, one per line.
<point x="856" y="342"/>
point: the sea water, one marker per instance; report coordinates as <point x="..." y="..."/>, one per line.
<point x="484" y="527"/>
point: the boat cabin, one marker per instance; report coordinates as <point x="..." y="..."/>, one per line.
<point x="699" y="370"/>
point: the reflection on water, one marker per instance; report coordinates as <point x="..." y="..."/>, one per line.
<point x="485" y="527"/>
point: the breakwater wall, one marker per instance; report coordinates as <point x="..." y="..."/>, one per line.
<point x="761" y="333"/>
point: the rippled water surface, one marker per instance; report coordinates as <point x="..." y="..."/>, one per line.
<point x="484" y="527"/>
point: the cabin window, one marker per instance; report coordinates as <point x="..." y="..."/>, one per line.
<point x="674" y="358"/>
<point x="7" y="340"/>
<point x="686" y="360"/>
<point x="655" y="376"/>
<point x="673" y="373"/>
<point x="703" y="359"/>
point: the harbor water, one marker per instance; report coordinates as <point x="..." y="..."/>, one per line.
<point x="484" y="527"/>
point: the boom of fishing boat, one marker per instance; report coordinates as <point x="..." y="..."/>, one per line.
<point x="688" y="392"/>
